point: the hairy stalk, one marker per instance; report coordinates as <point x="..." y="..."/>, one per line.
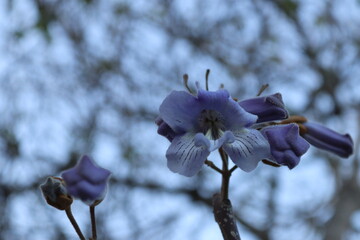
<point x="74" y="223"/>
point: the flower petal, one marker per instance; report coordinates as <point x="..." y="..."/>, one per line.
<point x="180" y="111"/>
<point x="71" y="176"/>
<point x="247" y="148"/>
<point x="87" y="191"/>
<point x="234" y="116"/>
<point x="84" y="180"/>
<point x="187" y="153"/>
<point x="227" y="137"/>
<point x="267" y="108"/>
<point x="91" y="172"/>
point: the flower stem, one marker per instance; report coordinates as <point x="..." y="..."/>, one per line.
<point x="225" y="175"/>
<point x="223" y="213"/>
<point x="93" y="222"/>
<point x="213" y="166"/>
<point x="233" y="169"/>
<point x="74" y="223"/>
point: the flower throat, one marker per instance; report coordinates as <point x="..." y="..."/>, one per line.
<point x="211" y="124"/>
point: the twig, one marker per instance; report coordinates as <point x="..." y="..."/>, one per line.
<point x="223" y="213"/>
<point x="224" y="217"/>
<point x="233" y="169"/>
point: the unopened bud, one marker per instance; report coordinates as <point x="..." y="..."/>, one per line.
<point x="55" y="193"/>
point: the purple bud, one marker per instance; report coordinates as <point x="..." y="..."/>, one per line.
<point x="327" y="139"/>
<point x="86" y="180"/>
<point x="55" y="193"/>
<point x="286" y="145"/>
<point x="268" y="108"/>
<point x="164" y="129"/>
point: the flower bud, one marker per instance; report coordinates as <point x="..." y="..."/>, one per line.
<point x="286" y="145"/>
<point x="55" y="193"/>
<point x="268" y="108"/>
<point x="86" y="181"/>
<point x="164" y="129"/>
<point x="327" y="139"/>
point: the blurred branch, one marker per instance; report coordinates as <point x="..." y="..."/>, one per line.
<point x="194" y="195"/>
<point x="330" y="76"/>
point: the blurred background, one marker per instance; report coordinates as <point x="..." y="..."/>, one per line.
<point x="88" y="76"/>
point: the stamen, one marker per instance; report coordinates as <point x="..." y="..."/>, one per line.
<point x="186" y="79"/>
<point x="207" y="79"/>
<point x="262" y="89"/>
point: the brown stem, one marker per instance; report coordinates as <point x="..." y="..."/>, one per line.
<point x="93" y="222"/>
<point x="223" y="213"/>
<point x="225" y="175"/>
<point x="213" y="166"/>
<point x="224" y="217"/>
<point x="74" y="223"/>
<point x="233" y="169"/>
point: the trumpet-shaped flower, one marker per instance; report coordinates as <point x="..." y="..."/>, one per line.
<point x="327" y="139"/>
<point x="86" y="180"/>
<point x="197" y="125"/>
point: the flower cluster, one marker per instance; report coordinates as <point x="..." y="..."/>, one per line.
<point x="85" y="181"/>
<point x="248" y="131"/>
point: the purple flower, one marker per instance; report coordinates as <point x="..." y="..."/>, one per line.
<point x="86" y="180"/>
<point x="329" y="140"/>
<point x="55" y="193"/>
<point x="268" y="108"/>
<point x="197" y="125"/>
<point x="286" y="145"/>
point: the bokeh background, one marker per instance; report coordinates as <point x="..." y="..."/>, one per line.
<point x="88" y="76"/>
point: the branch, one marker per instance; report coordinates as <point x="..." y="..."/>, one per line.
<point x="195" y="195"/>
<point x="224" y="216"/>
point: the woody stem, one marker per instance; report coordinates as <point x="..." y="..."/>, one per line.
<point x="223" y="212"/>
